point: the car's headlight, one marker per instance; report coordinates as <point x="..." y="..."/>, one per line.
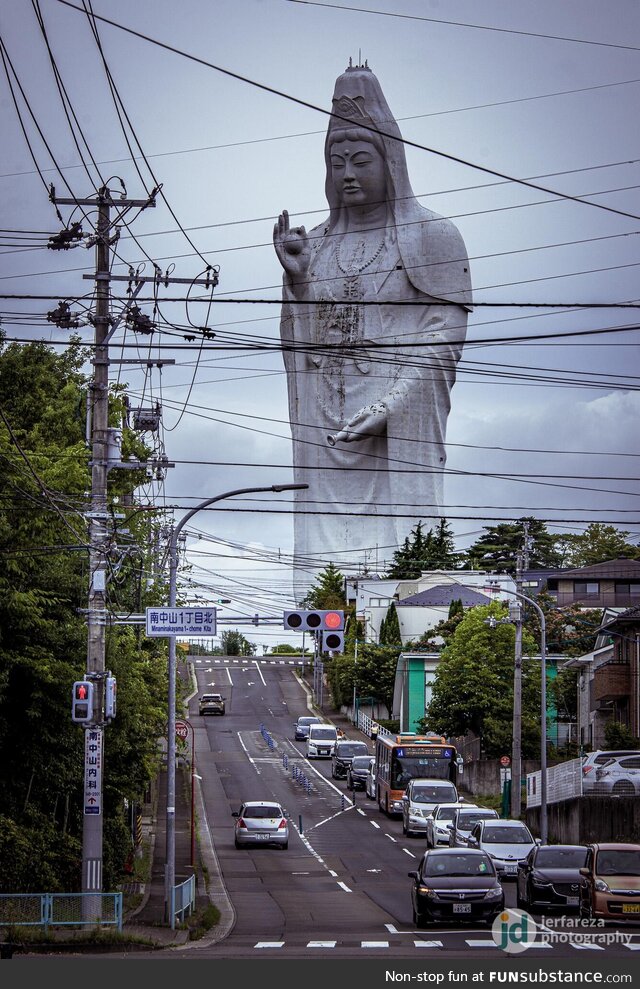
<point x="540" y="881"/>
<point x="600" y="886"/>
<point x="427" y="891"/>
<point x="415" y="812"/>
<point x="493" y="894"/>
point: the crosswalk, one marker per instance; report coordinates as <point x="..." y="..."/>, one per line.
<point x="433" y="945"/>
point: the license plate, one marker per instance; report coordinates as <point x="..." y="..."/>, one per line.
<point x="631" y="907"/>
<point x="511" y="869"/>
<point x="261" y="837"/>
<point x="462" y="908"/>
<point x="573" y="901"/>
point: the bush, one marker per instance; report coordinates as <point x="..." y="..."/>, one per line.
<point x="618" y="736"/>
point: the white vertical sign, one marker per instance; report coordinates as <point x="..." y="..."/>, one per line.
<point x="93" y="770"/>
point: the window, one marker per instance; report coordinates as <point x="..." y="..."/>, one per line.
<point x="583" y="587"/>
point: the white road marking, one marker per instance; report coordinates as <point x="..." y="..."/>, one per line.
<point x="391" y="929"/>
<point x="257" y="666"/>
<point x="375" y="824"/>
<point x="269" y="944"/>
<point x="406" y="850"/>
<point x="252" y="761"/>
<point x="374" y="944"/>
<point x="481" y="943"/>
<point x="228" y="672"/>
<point x="428" y="944"/>
<point x="390" y="837"/>
<point x="587" y="946"/>
<point x="322" y="944"/>
<point x="345" y="887"/>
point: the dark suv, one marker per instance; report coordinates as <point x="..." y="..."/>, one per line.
<point x="343" y="753"/>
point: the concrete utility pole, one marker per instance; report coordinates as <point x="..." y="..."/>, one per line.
<point x="516" y="749"/>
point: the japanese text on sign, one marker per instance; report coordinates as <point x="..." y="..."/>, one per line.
<point x="181" y="621"/>
<point x="93" y="771"/>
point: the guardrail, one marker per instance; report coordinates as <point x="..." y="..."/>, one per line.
<point x="183" y="900"/>
<point x="371" y="727"/>
<point x="61" y="910"/>
<point x="564" y="781"/>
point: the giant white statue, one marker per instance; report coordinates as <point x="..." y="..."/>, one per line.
<point x="374" y="317"/>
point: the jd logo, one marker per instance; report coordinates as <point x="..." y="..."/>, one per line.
<point x="514" y="931"/>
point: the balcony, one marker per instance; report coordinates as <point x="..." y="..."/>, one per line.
<point x="611" y="682"/>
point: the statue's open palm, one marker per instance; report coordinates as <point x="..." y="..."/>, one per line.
<point x="292" y="247"/>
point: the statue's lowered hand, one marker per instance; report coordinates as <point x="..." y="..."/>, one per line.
<point x="369" y="421"/>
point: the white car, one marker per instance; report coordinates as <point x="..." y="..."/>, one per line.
<point x="595" y="760"/>
<point x="507" y="842"/>
<point x="439" y="823"/>
<point x="419" y="800"/>
<point x="619" y="777"/>
<point x="370" y="782"/>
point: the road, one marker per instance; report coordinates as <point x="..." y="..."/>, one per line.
<point x="341" y="889"/>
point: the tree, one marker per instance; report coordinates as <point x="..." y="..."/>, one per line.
<point x="373" y="674"/>
<point x="598" y="544"/>
<point x="619" y="736"/>
<point x="233" y="643"/>
<point x="327" y="592"/>
<point x="421" y="552"/>
<point x="390" y="628"/>
<point x="43" y="637"/>
<point x="500" y="545"/>
<point x="473" y="687"/>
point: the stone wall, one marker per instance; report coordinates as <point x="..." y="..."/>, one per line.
<point x="585" y="819"/>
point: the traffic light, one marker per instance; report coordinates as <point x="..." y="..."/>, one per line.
<point x="314" y="621"/>
<point x="82" y="701"/>
<point x="110" y="691"/>
<point x="332" y="642"/>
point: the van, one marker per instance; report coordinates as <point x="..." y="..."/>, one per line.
<point x="321" y="741"/>
<point x="420" y="799"/>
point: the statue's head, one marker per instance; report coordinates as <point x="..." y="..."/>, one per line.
<point x="361" y="113"/>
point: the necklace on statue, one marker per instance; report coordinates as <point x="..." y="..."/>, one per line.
<point x="355" y="267"/>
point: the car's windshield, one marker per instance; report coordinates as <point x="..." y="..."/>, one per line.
<point x="445" y="813"/>
<point x="269" y="810"/>
<point x="561" y="858"/>
<point x="350" y="749"/>
<point x="465" y="822"/>
<point x="361" y="762"/>
<point x="507" y="836"/>
<point x="457" y="865"/>
<point x="431" y="794"/>
<point x="618" y="862"/>
<point x="323" y="733"/>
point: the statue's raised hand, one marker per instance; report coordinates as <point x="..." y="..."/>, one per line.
<point x="292" y="247"/>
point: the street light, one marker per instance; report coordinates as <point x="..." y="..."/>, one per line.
<point x="170" y="863"/>
<point x="543" y="714"/>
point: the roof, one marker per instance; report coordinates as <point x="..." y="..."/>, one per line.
<point x="444" y="594"/>
<point x="622" y="567"/>
<point x="631" y="616"/>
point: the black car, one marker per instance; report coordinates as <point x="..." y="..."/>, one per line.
<point x="343" y="753"/>
<point x="358" y="771"/>
<point x="550" y="877"/>
<point x="301" y="727"/>
<point x="455" y="884"/>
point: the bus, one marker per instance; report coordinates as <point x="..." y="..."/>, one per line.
<point x="401" y="758"/>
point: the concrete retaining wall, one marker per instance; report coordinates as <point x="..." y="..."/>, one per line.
<point x="585" y="819"/>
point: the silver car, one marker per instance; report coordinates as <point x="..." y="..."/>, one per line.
<point x="439" y="823"/>
<point x="419" y="801"/>
<point x="507" y="842"/>
<point x="619" y="777"/>
<point x="261" y="822"/>
<point x="463" y="823"/>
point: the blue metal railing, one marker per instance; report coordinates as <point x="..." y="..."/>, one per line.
<point x="183" y="900"/>
<point x="61" y="910"/>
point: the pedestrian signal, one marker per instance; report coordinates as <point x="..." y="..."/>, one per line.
<point x="110" y="691"/>
<point x="82" y="701"/>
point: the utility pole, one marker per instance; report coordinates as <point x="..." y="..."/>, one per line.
<point x="515" y="609"/>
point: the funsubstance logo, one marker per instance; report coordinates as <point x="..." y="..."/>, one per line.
<point x="514" y="931"/>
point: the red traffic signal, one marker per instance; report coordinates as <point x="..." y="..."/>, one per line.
<point x="313" y="621"/>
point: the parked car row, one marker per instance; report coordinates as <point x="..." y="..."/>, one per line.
<point x="611" y="772"/>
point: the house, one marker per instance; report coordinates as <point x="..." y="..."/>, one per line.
<point x="612" y="584"/>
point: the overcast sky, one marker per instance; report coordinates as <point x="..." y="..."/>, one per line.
<point x="231" y="124"/>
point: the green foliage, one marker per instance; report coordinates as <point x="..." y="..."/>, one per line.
<point x="390" y="628"/>
<point x="498" y="548"/>
<point x="421" y="552"/>
<point x="598" y="544"/>
<point x="327" y="592"/>
<point x="473" y="688"/>
<point x="373" y="674"/>
<point x="619" y="736"/>
<point x="43" y="635"/>
<point x="233" y="643"/>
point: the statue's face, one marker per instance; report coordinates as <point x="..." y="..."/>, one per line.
<point x="358" y="173"/>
